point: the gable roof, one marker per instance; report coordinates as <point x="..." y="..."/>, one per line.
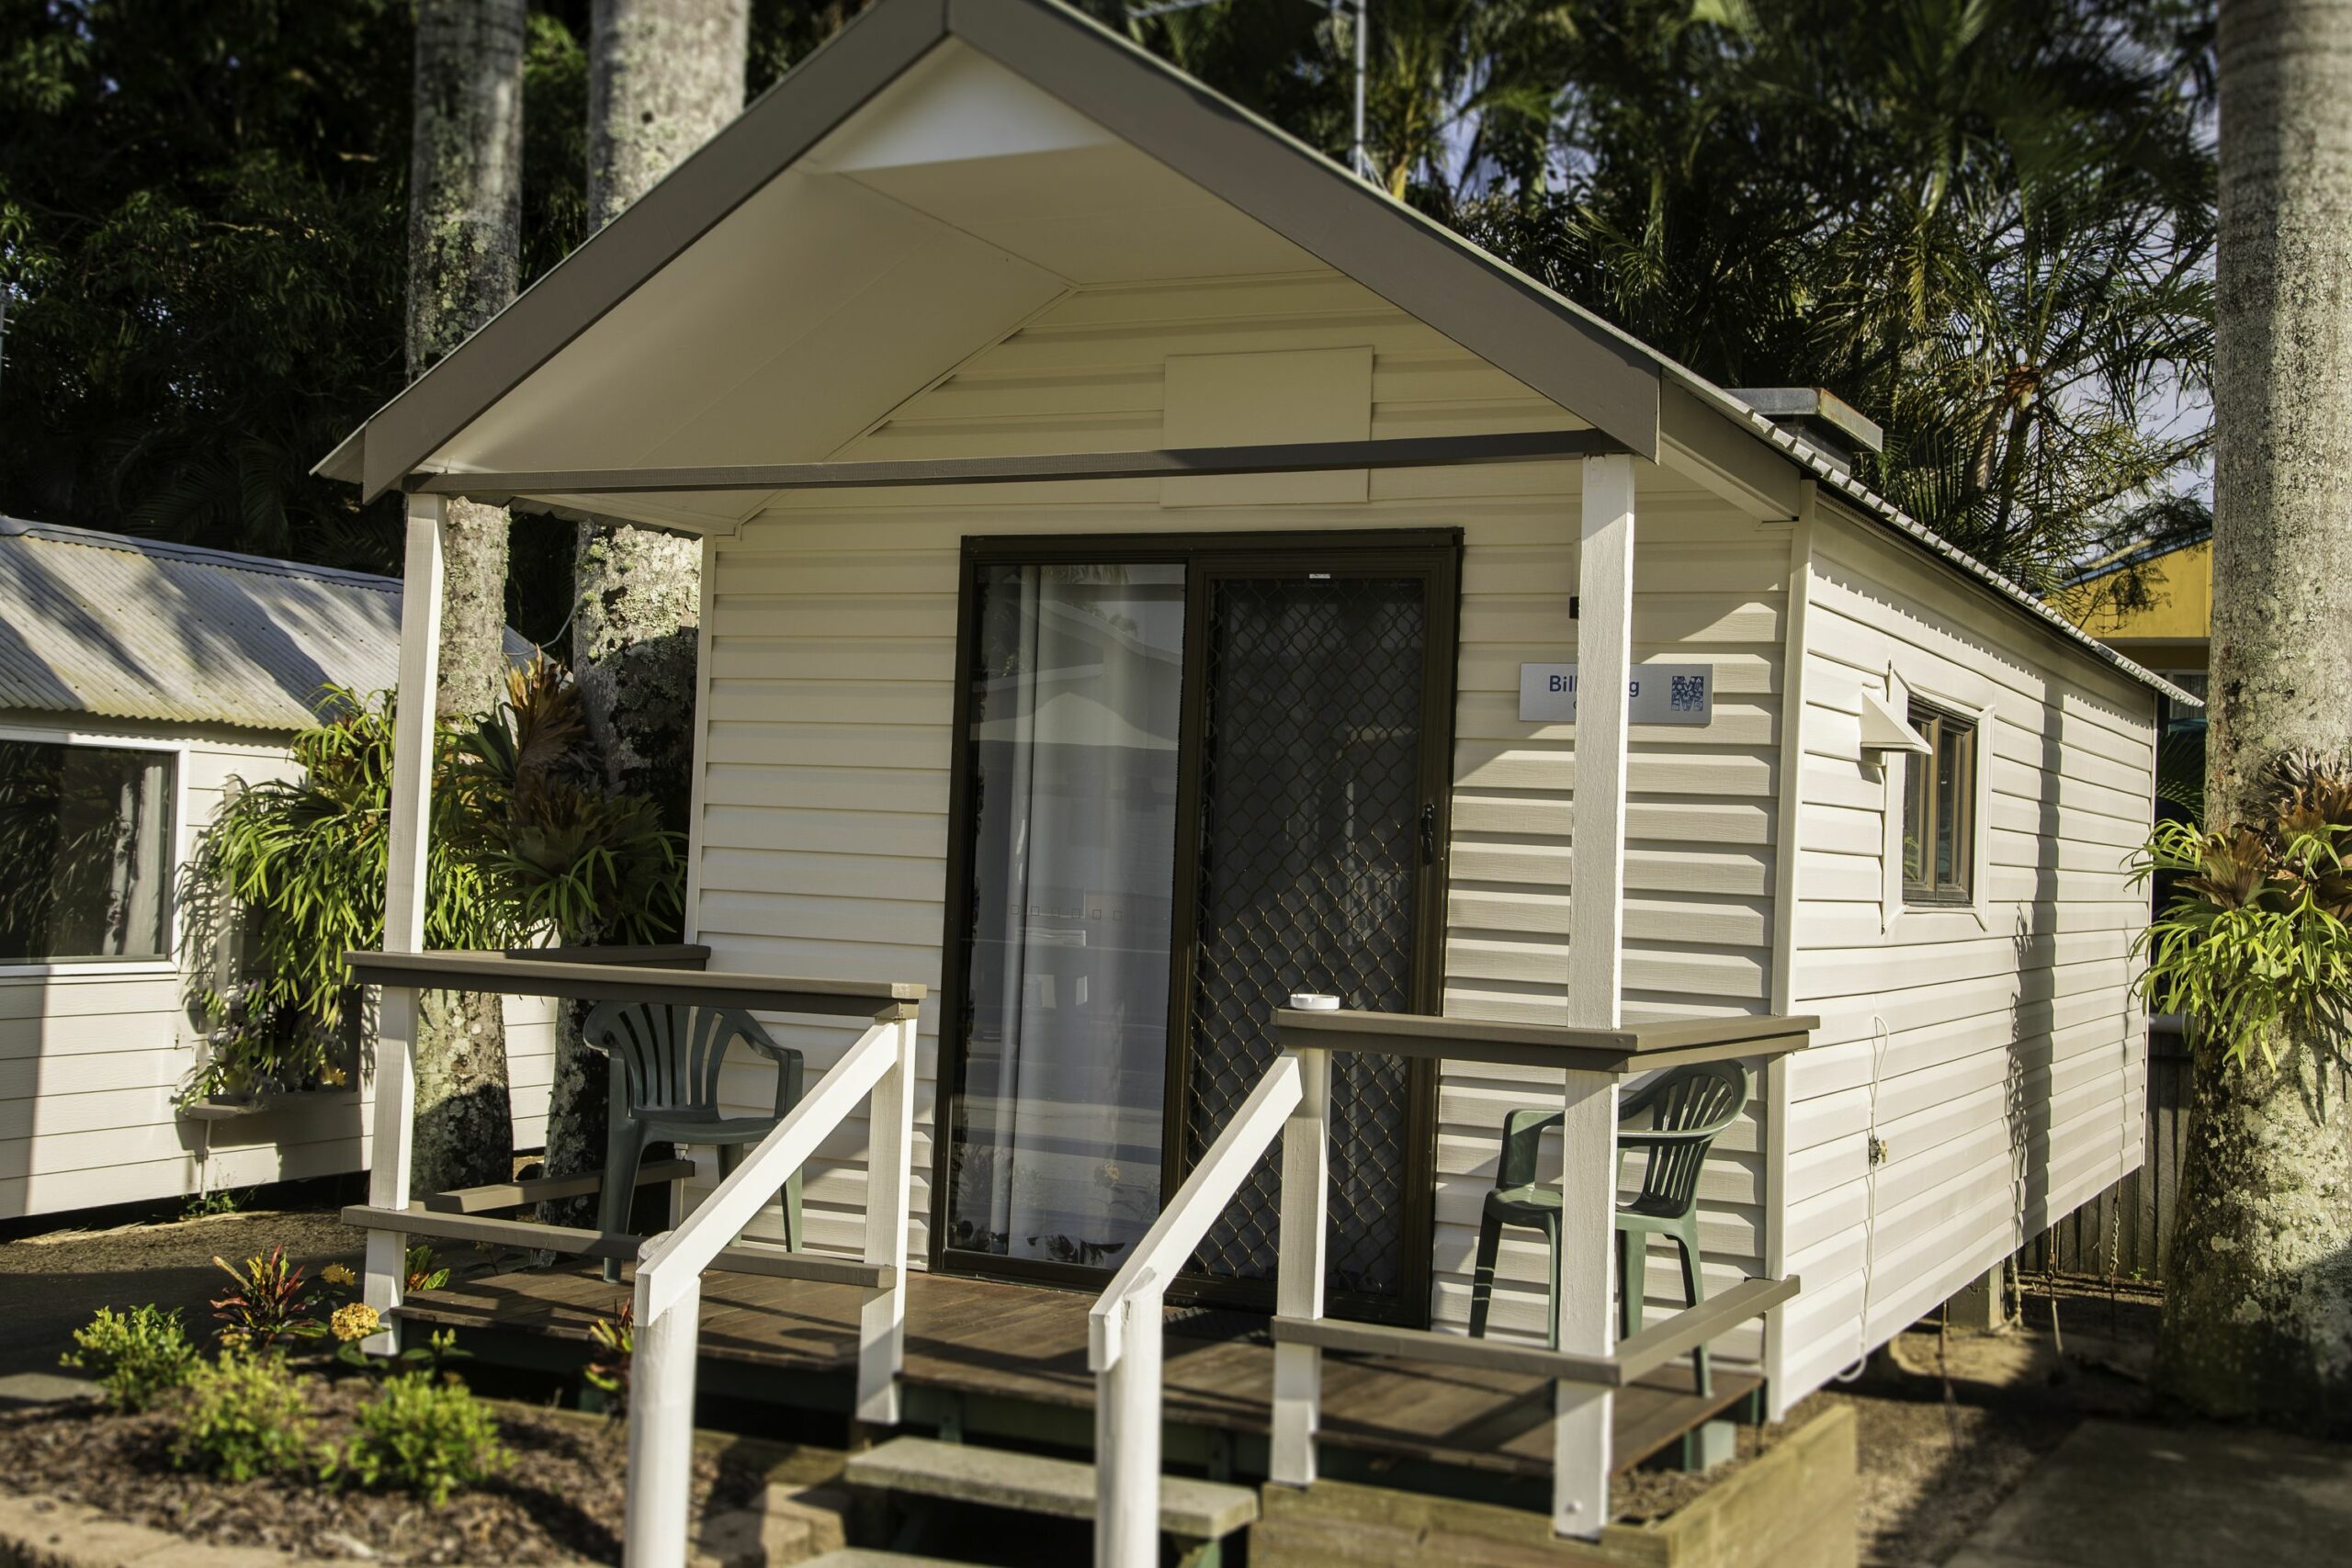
<point x="107" y="624"/>
<point x="1594" y="370"/>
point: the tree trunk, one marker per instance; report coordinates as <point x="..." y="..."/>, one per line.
<point x="664" y="76"/>
<point x="464" y="252"/>
<point x="2258" y="1313"/>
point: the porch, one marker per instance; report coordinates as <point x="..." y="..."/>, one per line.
<point x="1290" y="1398"/>
<point x="992" y="1360"/>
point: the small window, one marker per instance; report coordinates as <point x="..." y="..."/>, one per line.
<point x="85" y="862"/>
<point x="1940" y="810"/>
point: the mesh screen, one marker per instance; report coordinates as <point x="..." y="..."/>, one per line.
<point x="1310" y="805"/>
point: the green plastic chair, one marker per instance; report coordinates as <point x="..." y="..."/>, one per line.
<point x="1688" y="1109"/>
<point x="664" y="1064"/>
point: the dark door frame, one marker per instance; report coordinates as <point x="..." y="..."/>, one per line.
<point x="1436" y="552"/>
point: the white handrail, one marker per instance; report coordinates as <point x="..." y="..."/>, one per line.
<point x="1123" y="1330"/>
<point x="670" y="1267"/>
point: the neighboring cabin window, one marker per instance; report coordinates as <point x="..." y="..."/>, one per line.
<point x="1940" y="810"/>
<point x="85" y="835"/>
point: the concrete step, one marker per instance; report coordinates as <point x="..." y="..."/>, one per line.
<point x="999" y="1478"/>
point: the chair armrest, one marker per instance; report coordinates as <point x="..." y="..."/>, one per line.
<point x="1522" y="1144"/>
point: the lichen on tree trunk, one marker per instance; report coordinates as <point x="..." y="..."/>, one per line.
<point x="664" y="76"/>
<point x="464" y="253"/>
<point x="2258" y="1313"/>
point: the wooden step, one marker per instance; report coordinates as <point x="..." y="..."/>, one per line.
<point x="1000" y="1478"/>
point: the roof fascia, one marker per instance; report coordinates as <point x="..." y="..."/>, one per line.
<point x="1726" y="457"/>
<point x="1576" y="361"/>
<point x="785" y="122"/>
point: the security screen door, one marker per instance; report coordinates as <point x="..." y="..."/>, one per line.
<point x="1194" y="778"/>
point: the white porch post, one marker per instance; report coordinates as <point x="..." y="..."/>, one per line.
<point x="1298" y="1287"/>
<point x="1127" y="1439"/>
<point x="882" y="1320"/>
<point x="661" y="1428"/>
<point x="406" y="831"/>
<point x="1596" y="970"/>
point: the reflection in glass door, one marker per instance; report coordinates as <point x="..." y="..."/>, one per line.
<point x="1071" y="740"/>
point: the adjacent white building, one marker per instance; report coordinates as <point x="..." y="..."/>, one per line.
<point x="139" y="681"/>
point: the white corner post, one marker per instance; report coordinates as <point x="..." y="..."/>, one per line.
<point x="1298" y="1287"/>
<point x="406" y="831"/>
<point x="1596" y="984"/>
<point x="882" y="1318"/>
<point x="662" y="1423"/>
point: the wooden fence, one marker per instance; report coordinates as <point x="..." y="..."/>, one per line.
<point x="2126" y="1231"/>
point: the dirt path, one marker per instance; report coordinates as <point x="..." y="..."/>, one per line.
<point x="51" y="1284"/>
<point x="1950" y="1426"/>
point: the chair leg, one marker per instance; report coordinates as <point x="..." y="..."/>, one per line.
<point x="1685" y="1241"/>
<point x="1551" y="1280"/>
<point x="1482" y="1273"/>
<point x="1627" y="1305"/>
<point x="1637" y="1278"/>
<point x="624" y="1150"/>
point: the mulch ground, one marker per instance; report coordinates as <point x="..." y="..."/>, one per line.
<point x="560" y="1502"/>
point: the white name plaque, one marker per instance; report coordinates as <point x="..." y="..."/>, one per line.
<point x="1657" y="694"/>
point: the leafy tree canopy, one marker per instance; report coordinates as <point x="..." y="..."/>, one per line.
<point x="1987" y="224"/>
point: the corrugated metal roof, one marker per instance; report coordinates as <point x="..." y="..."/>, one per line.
<point x="1831" y="470"/>
<point x="132" y="628"/>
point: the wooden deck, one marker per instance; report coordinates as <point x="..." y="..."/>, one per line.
<point x="1021" y="1343"/>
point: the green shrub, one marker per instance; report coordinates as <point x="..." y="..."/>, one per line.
<point x="425" y="1436"/>
<point x="137" y="1356"/>
<point x="245" y="1415"/>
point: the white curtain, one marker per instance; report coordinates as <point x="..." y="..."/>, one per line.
<point x="1075" y="722"/>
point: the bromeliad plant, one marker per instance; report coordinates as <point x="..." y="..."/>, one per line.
<point x="526" y="843"/>
<point x="2257" y="934"/>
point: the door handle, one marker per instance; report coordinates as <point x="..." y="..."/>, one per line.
<point x="1428" y="833"/>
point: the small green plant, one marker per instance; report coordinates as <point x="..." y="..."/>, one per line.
<point x="205" y="1205"/>
<point x="616" y="1341"/>
<point x="245" y="1414"/>
<point x="137" y="1356"/>
<point x="427" y="1436"/>
<point x="424" y="1273"/>
<point x="272" y="1302"/>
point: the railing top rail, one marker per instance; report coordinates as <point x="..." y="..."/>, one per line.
<point x="1170" y="1242"/>
<point x="1636" y="1048"/>
<point x="651" y="955"/>
<point x="506" y="973"/>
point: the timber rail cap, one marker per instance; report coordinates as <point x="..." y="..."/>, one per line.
<point x="509" y="973"/>
<point x="1634" y="1048"/>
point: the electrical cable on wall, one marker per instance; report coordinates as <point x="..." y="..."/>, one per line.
<point x="1874" y="1155"/>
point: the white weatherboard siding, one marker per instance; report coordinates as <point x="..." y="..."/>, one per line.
<point x="91" y="1061"/>
<point x="821" y="829"/>
<point x="1999" y="1054"/>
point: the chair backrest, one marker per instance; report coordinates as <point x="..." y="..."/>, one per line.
<point x="672" y="1055"/>
<point x="1694" y="1104"/>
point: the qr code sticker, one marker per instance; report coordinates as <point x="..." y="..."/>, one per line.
<point x="1688" y="693"/>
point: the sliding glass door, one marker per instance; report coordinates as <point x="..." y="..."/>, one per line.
<point x="1194" y="777"/>
<point x="1074" y="700"/>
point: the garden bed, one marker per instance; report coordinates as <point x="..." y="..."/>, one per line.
<point x="560" y="1502"/>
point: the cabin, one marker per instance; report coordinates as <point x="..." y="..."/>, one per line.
<point x="139" y="682"/>
<point x="1215" y="692"/>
